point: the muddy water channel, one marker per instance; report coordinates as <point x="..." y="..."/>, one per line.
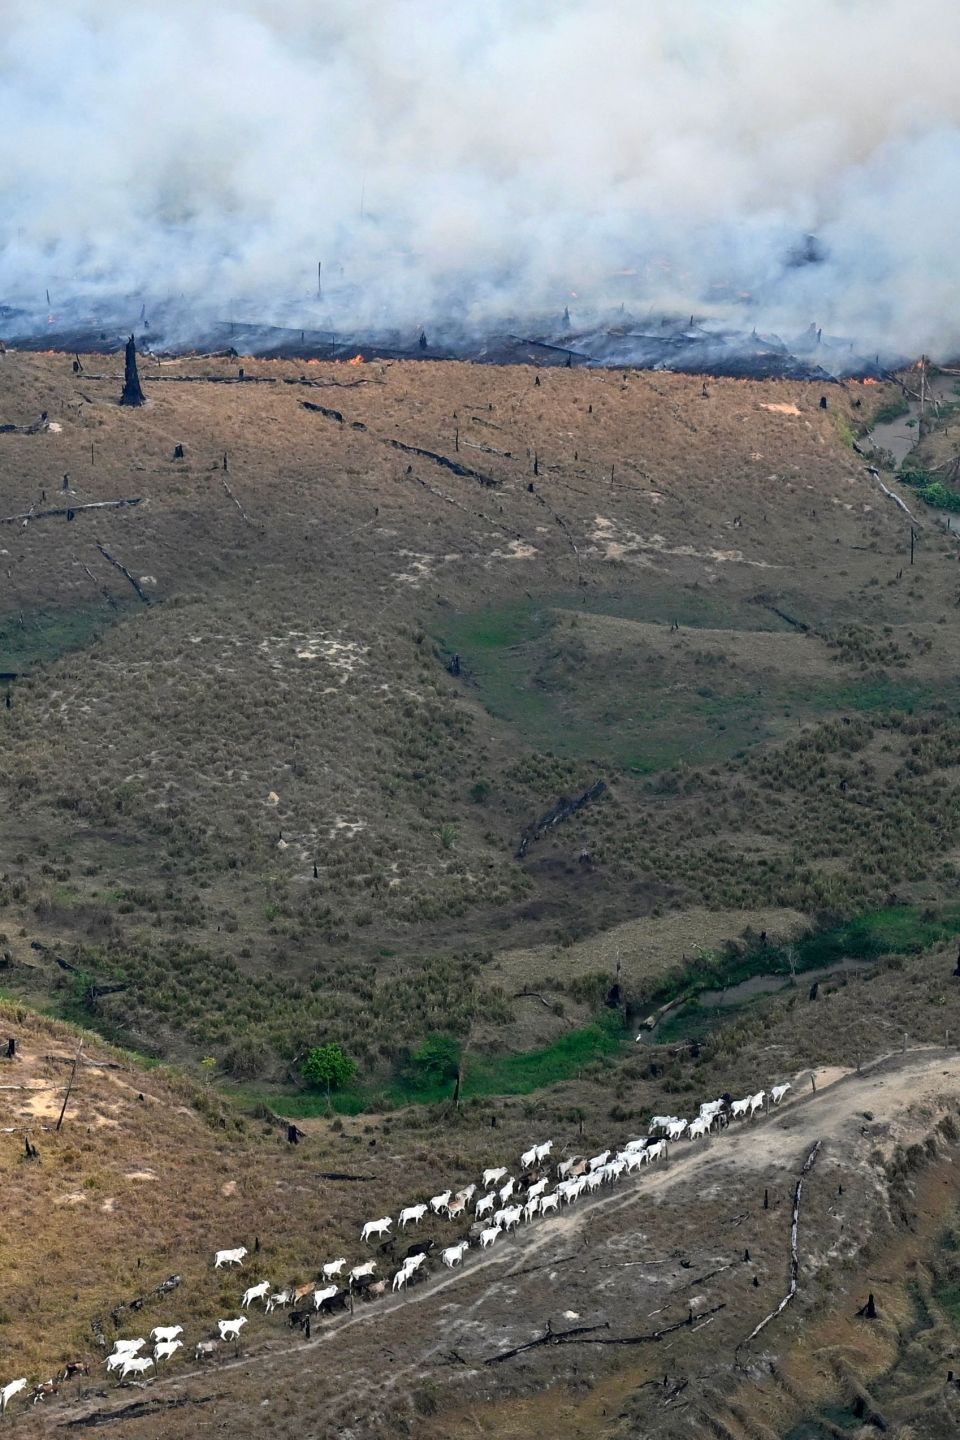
<point x="898" y="437"/>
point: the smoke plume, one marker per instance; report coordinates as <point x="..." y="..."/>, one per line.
<point x="466" y="160"/>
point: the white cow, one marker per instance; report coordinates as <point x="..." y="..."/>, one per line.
<point x="485" y="1204"/>
<point x="597" y="1160"/>
<point x="230" y="1329"/>
<point x="565" y="1166"/>
<point x="531" y="1208"/>
<point x="662" y="1122"/>
<point x="490" y="1177"/>
<point x="549" y="1202"/>
<point x="327" y="1293"/>
<point x="506" y="1190"/>
<point x="256" y="1292"/>
<point x="359" y="1271"/>
<point x="135" y="1365"/>
<point x="544" y="1150"/>
<point x="528" y="1157"/>
<point x="511" y="1217"/>
<point x="739" y="1108"/>
<point x="675" y="1130"/>
<point x="440" y="1202"/>
<point x="333" y="1267"/>
<point x="165" y="1349"/>
<point x="128" y="1347"/>
<point x="537" y="1190"/>
<point x="375" y="1227"/>
<point x="756" y="1102"/>
<point x="412" y="1215"/>
<point x="166" y="1332"/>
<point x="401" y="1277"/>
<point x="279" y="1298"/>
<point x="467" y="1193"/>
<point x="655" y="1152"/>
<point x="778" y="1091"/>
<point x="229" y="1257"/>
<point x="488" y="1236"/>
<point x="454" y="1254"/>
<point x="8" y="1392"/>
<point x="699" y="1127"/>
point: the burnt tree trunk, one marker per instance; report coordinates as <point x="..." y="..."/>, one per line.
<point x="132" y="392"/>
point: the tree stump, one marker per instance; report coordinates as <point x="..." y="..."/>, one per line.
<point x="132" y="391"/>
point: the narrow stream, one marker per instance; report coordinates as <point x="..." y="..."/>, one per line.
<point x="898" y="437"/>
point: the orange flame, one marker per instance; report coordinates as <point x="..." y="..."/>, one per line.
<point x="357" y="360"/>
<point x="869" y="380"/>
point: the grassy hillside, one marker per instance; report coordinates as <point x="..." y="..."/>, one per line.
<point x="264" y="799"/>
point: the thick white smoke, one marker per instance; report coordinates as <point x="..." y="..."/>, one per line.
<point x="476" y="158"/>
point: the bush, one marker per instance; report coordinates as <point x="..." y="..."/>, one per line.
<point x="438" y="1058"/>
<point x="328" y="1068"/>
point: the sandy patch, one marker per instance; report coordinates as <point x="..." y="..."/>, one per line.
<point x="72" y="1197"/>
<point x="139" y="1175"/>
<point x="780" y="408"/>
<point x="229" y="1187"/>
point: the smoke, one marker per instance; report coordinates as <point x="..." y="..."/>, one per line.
<point x="467" y="161"/>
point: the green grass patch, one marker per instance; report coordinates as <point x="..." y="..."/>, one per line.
<point x="41" y="636"/>
<point x="518" y="1074"/>
<point x="617" y="700"/>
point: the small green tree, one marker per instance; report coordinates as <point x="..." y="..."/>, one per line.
<point x="438" y="1058"/>
<point x="328" y="1068"/>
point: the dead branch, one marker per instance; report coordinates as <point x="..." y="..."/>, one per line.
<point x="124" y="571"/>
<point x="70" y="1082"/>
<point x="808" y="1165"/>
<point x="70" y="510"/>
<point x="891" y="496"/>
<point x="243" y="514"/>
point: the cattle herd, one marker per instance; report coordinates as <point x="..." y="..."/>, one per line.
<point x="504" y="1203"/>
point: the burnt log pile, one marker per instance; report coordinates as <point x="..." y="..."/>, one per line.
<point x="563" y="809"/>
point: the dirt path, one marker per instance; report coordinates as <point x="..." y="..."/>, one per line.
<point x="410" y="1330"/>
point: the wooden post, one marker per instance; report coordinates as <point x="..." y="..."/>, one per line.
<point x="912" y="538"/>
<point x="73" y="1076"/>
<point x="766" y="1199"/>
<point x="319" y="280"/>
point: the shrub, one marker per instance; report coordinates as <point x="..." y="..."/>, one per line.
<point x="438" y="1058"/>
<point x="328" y="1068"/>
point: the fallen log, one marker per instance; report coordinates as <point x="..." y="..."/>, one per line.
<point x="124" y="571"/>
<point x="137" y="1410"/>
<point x="164" y="1288"/>
<point x="487" y="480"/>
<point x="331" y="384"/>
<point x="576" y="1335"/>
<point x="442" y="495"/>
<point x="561" y="811"/>
<point x="323" y="410"/>
<point x="808" y="1165"/>
<point x="36" y="428"/>
<point x="891" y="496"/>
<point x="70" y="510"/>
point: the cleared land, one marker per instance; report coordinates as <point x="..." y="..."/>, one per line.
<point x="271" y="795"/>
